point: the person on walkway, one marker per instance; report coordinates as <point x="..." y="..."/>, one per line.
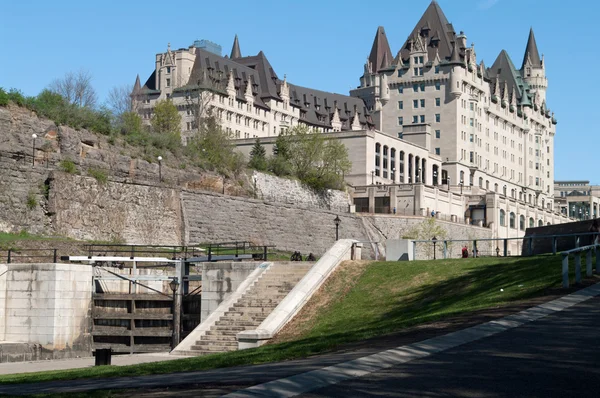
<point x="432" y="213"/>
<point x="465" y="252"/>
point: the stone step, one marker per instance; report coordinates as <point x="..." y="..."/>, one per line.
<point x="250" y="310"/>
<point x="240" y="315"/>
<point x="217" y="337"/>
<point x="216" y="343"/>
<point x="227" y="328"/>
<point x="255" y="305"/>
<point x="223" y="333"/>
<point x="257" y="301"/>
<point x="249" y="314"/>
<point x="236" y="322"/>
<point x="212" y="349"/>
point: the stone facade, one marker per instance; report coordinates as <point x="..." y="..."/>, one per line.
<point x="49" y="305"/>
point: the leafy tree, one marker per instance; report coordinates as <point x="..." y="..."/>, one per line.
<point x="258" y="158"/>
<point x="131" y="123"/>
<point x="166" y="118"/>
<point x="279" y="163"/>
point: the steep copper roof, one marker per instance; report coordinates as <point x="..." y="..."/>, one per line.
<point x="235" y="50"/>
<point x="381" y="55"/>
<point x="531" y="51"/>
<point x="435" y="28"/>
<point x="504" y="70"/>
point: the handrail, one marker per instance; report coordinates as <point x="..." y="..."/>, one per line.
<point x="588" y="262"/>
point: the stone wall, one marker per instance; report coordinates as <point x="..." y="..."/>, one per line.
<point x="86" y="209"/>
<point x="49" y="305"/>
<point x="219" y="281"/>
<point x="3" y="272"/>
<point x="291" y="192"/>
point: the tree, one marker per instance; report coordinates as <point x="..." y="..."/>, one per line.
<point x="258" y="158"/>
<point x="119" y="100"/>
<point x="166" y="118"/>
<point x="130" y="122"/>
<point x="76" y="88"/>
<point x="279" y="163"/>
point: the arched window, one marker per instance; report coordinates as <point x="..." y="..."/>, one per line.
<point x="522" y="222"/>
<point x="393" y="164"/>
<point x="462" y="177"/>
<point x="548" y="224"/>
<point x="512" y="220"/>
<point x="540" y="223"/>
<point x="377" y="158"/>
<point x="502" y="218"/>
<point x="385" y="161"/>
<point x="543" y="203"/>
<point x="531" y="222"/>
<point x="480" y="182"/>
<point x="496" y="188"/>
<point x="487" y="184"/>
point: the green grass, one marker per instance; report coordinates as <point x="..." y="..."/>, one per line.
<point x="387" y="297"/>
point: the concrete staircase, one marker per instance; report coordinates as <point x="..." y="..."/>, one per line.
<point x="252" y="308"/>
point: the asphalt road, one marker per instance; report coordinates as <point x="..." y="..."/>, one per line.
<point x="556" y="356"/>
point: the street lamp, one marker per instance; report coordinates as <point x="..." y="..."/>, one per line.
<point x="434" y="177"/>
<point x="159" y="168"/>
<point x="337" y="222"/>
<point x="418" y="176"/>
<point x="394" y="174"/>
<point x="434" y="240"/>
<point x="174" y="284"/>
<point x="448" y="181"/>
<point x="34" y="136"/>
<point x="461" y="186"/>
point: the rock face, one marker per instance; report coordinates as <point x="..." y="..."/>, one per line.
<point x="109" y="196"/>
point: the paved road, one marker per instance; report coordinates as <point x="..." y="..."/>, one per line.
<point x="548" y="351"/>
<point x="556" y="356"/>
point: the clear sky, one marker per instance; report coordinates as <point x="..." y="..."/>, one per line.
<point x="319" y="44"/>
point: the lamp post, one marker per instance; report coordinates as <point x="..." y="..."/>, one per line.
<point x="418" y="176"/>
<point x="159" y="168"/>
<point x="337" y="222"/>
<point x="461" y="186"/>
<point x="372" y="177"/>
<point x="435" y="177"/>
<point x="448" y="181"/>
<point x="34" y="136"/>
<point x="393" y="174"/>
<point x="434" y="240"/>
<point x="174" y="285"/>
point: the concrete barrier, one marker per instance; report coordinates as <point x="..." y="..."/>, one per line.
<point x="342" y="250"/>
<point x="184" y="348"/>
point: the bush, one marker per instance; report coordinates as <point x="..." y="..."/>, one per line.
<point x="3" y="97"/>
<point x="16" y="96"/>
<point x="98" y="174"/>
<point x="32" y="201"/>
<point x="68" y="166"/>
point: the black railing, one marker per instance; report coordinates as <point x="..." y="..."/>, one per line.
<point x="14" y="255"/>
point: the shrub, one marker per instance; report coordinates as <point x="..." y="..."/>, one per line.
<point x="98" y="174"/>
<point x="32" y="201"/>
<point x="3" y="97"/>
<point x="16" y="96"/>
<point x="68" y="166"/>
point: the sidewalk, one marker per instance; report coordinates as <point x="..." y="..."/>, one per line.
<point x="76" y="363"/>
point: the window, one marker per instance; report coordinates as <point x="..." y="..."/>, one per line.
<point x="422" y="118"/>
<point x="437" y="69"/>
<point x="512" y="220"/>
<point x="471" y="122"/>
<point x="420" y="71"/>
<point x="416" y="88"/>
<point x="437" y="86"/>
<point x="415" y="119"/>
<point x="400" y="120"/>
<point x="437" y="117"/>
<point x="415" y="71"/>
<point x="437" y="102"/>
<point x="420" y="60"/>
<point x="168" y="69"/>
<point x="416" y="60"/>
<point x="400" y="90"/>
<point x="502" y="218"/>
<point x="531" y="222"/>
<point x="415" y="104"/>
<point x="522" y="223"/>
<point x="437" y="134"/>
<point x="422" y="87"/>
<point x="168" y="82"/>
<point x="400" y="105"/>
<point x="400" y="135"/>
<point x="437" y="151"/>
<point x="422" y="103"/>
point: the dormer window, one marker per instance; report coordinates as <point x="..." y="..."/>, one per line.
<point x="527" y="72"/>
<point x="168" y="69"/>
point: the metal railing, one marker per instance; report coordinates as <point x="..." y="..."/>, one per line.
<point x="588" y="250"/>
<point x="28" y="254"/>
<point x="525" y="245"/>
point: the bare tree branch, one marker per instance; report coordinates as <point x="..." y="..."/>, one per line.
<point x="76" y="88"/>
<point x="119" y="99"/>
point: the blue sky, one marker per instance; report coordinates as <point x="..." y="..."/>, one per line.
<point x="319" y="44"/>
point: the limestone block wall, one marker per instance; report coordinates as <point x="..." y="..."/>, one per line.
<point x="86" y="209"/>
<point x="219" y="218"/>
<point x="3" y="272"/>
<point x="49" y="304"/>
<point x="219" y="281"/>
<point x="281" y="190"/>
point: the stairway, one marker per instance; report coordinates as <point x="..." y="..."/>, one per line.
<point x="252" y="308"/>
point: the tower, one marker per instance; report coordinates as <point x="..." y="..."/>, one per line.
<point x="533" y="69"/>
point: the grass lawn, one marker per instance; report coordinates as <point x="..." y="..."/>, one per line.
<point x="364" y="300"/>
